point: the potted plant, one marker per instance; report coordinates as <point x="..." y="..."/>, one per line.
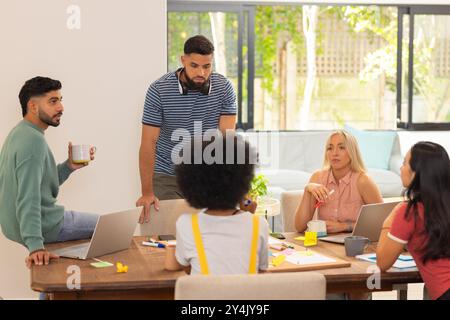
<point x="257" y="200"/>
<point x="258" y="188"/>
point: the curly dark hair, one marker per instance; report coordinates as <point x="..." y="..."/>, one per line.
<point x="198" y="44"/>
<point x="34" y="87"/>
<point x="221" y="184"/>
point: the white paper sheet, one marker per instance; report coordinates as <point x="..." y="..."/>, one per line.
<point x="307" y="257"/>
<point x="272" y="240"/>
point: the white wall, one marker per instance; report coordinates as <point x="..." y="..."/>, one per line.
<point x="105" y="68"/>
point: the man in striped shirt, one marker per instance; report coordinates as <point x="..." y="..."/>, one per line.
<point x="192" y="98"/>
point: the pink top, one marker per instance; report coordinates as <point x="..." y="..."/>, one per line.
<point x="344" y="204"/>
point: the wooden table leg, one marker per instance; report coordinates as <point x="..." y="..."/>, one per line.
<point x="402" y="291"/>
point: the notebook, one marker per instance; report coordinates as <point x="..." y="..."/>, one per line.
<point x="403" y="261"/>
<point x="302" y="258"/>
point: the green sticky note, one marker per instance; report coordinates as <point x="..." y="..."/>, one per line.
<point x="101" y="264"/>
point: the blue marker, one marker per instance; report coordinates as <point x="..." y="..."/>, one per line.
<point x="153" y="244"/>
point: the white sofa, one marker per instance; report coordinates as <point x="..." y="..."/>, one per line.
<point x="289" y="158"/>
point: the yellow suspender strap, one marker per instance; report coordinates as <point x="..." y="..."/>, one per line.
<point x="199" y="245"/>
<point x="254" y="249"/>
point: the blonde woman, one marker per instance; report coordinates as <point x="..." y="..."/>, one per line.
<point x="342" y="186"/>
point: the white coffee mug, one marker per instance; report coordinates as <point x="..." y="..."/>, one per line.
<point x="81" y="153"/>
<point x="318" y="226"/>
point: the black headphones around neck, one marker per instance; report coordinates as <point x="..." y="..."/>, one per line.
<point x="184" y="87"/>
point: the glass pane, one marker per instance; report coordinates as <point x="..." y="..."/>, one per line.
<point x="220" y="27"/>
<point x="319" y="67"/>
<point x="431" y="73"/>
<point x="404" y="76"/>
<point x="245" y="70"/>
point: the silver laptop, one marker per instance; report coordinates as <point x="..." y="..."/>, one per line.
<point x="369" y="222"/>
<point x="112" y="233"/>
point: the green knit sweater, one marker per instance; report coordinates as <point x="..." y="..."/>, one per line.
<point x="29" y="185"/>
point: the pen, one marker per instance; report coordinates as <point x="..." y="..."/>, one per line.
<point x="287" y="246"/>
<point x="319" y="203"/>
<point x="152" y="244"/>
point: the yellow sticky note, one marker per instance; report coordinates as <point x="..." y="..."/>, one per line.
<point x="121" y="268"/>
<point x="310" y="238"/>
<point x="300" y="238"/>
<point x="102" y="264"/>
<point x="278" y="260"/>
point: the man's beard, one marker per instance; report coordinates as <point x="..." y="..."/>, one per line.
<point x="192" y="85"/>
<point x="45" y="118"/>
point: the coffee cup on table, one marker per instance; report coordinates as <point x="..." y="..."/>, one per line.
<point x="319" y="226"/>
<point x="355" y="245"/>
<point x="81" y="153"/>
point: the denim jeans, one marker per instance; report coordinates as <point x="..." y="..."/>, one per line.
<point x="76" y="226"/>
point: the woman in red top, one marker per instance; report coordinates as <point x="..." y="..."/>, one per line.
<point x="423" y="221"/>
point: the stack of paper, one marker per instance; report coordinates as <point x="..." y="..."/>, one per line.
<point x="307" y="257"/>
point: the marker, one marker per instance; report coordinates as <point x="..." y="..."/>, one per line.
<point x="287" y="246"/>
<point x="152" y="244"/>
<point x="276" y="247"/>
<point x="319" y="203"/>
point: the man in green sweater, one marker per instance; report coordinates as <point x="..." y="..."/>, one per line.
<point x="30" y="178"/>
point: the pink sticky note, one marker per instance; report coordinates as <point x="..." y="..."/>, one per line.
<point x="287" y="252"/>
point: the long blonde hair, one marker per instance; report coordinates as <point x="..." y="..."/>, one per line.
<point x="351" y="145"/>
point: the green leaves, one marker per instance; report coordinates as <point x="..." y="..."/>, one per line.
<point x="258" y="186"/>
<point x="274" y="26"/>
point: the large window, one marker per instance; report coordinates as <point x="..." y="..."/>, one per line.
<point x="230" y="28"/>
<point x="424" y="63"/>
<point x="299" y="67"/>
<point x="319" y="67"/>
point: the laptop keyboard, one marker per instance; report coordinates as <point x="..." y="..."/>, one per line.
<point x="77" y="250"/>
<point x="337" y="238"/>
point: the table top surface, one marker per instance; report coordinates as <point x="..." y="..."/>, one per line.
<point x="146" y="269"/>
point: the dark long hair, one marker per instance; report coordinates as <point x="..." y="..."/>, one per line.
<point x="431" y="187"/>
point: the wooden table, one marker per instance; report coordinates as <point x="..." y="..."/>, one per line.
<point x="354" y="278"/>
<point x="147" y="279"/>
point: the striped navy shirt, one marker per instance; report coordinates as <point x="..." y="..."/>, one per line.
<point x="167" y="108"/>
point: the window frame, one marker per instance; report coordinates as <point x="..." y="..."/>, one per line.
<point x="242" y="11"/>
<point x="411" y="11"/>
<point x="248" y="8"/>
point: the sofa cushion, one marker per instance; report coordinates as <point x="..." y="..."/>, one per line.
<point x="375" y="146"/>
<point x="286" y="179"/>
<point x="389" y="183"/>
<point x="275" y="192"/>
